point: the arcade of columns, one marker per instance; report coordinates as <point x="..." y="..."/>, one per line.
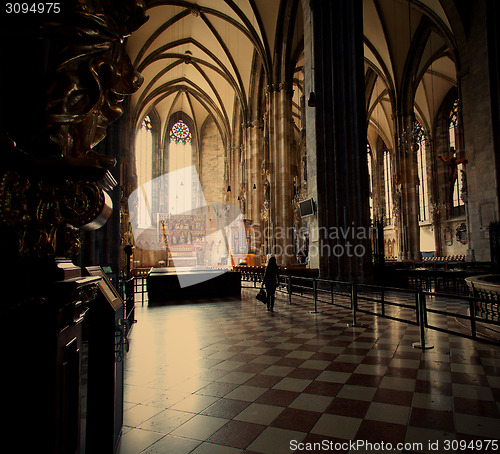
<point x="265" y="167"/>
<point x="272" y="154"/>
<point x="338" y="172"/>
<point x="336" y="144"/>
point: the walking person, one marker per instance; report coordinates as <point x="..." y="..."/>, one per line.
<point x="270" y="281"/>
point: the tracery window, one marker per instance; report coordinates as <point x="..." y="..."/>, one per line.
<point x="458" y="203"/>
<point x="180" y="158"/>
<point x="370" y="176"/>
<point x="422" y="173"/>
<point x="180" y="134"/>
<point x="144" y="168"/>
<point x="387" y="184"/>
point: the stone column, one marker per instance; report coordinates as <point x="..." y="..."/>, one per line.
<point x="378" y="184"/>
<point x="265" y="195"/>
<point x="407" y="188"/>
<point x="280" y="140"/>
<point x="310" y="125"/>
<point x="342" y="170"/>
<point x="254" y="172"/>
<point x="248" y="169"/>
<point x="479" y="83"/>
<point x="254" y="132"/>
<point x="246" y="172"/>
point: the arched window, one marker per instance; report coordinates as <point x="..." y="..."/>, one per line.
<point x="387" y="184"/>
<point x="144" y="169"/>
<point x="180" y="157"/>
<point x="422" y="173"/>
<point x="458" y="203"/>
<point x="180" y="133"/>
<point x="370" y="176"/>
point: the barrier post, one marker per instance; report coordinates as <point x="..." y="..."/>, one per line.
<point x="315" y="297"/>
<point x="289" y="285"/>
<point x="383" y="302"/>
<point x="354" y="306"/>
<point x="472" y="315"/>
<point x="417" y="308"/>
<point x="424" y="308"/>
<point x="422" y="317"/>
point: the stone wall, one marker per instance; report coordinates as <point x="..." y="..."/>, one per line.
<point x="478" y="133"/>
<point x="311" y="223"/>
<point x="211" y="162"/>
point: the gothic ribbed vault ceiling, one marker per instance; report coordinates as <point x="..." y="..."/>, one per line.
<point x="197" y="57"/>
<point x="406" y="42"/>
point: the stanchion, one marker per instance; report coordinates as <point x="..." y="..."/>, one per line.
<point x="289" y="285"/>
<point x="315" y="297"/>
<point x="354" y="307"/>
<point x="472" y="317"/>
<point x="422" y="316"/>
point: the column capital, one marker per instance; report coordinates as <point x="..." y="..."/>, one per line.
<point x="279" y="87"/>
<point x="253" y="124"/>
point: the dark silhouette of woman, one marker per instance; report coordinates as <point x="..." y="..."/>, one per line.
<point x="270" y="281"/>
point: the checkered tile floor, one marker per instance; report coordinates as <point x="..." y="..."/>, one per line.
<point x="227" y="376"/>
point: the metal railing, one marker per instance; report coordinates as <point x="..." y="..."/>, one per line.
<point x="140" y="276"/>
<point x="422" y="308"/>
<point x="469" y="319"/>
<point x="252" y="277"/>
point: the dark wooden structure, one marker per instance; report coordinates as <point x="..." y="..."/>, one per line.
<point x="107" y="331"/>
<point x="163" y="284"/>
<point x="59" y="338"/>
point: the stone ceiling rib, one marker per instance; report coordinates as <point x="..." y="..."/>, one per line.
<point x="223" y="46"/>
<point x="182" y="58"/>
<point x="207" y="50"/>
<point x="183" y="85"/>
<point x="156" y="34"/>
<point x="233" y="64"/>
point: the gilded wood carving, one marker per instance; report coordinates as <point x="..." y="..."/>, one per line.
<point x="55" y="183"/>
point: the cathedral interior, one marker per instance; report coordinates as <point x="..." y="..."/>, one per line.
<point x="157" y="153"/>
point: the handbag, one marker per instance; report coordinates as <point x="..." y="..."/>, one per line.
<point x="261" y="296"/>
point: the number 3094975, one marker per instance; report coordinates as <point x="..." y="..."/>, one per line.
<point x="32" y="8"/>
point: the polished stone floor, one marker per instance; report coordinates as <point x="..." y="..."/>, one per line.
<point x="226" y="376"/>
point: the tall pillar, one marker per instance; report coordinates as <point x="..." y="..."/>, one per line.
<point x="265" y="218"/>
<point x="407" y="189"/>
<point x="479" y="91"/>
<point x="280" y="142"/>
<point x="342" y="170"/>
<point x="254" y="191"/>
<point x="254" y="133"/>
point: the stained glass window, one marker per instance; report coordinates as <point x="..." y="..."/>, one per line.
<point x="180" y="133"/>
<point x="458" y="203"/>
<point x="146" y="124"/>
<point x="370" y="176"/>
<point x="454" y="113"/>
